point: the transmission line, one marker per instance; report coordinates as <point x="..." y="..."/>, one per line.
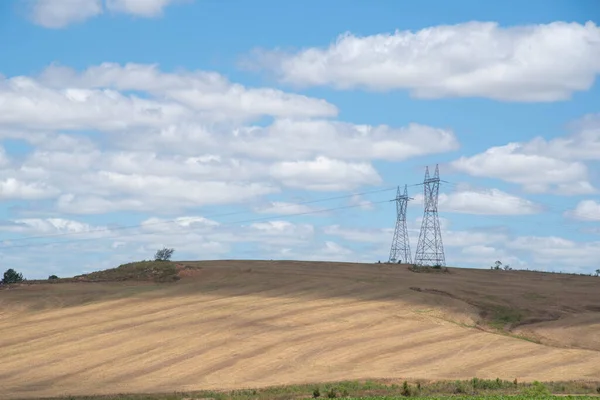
<point x="171" y="221"/>
<point x="155" y="233"/>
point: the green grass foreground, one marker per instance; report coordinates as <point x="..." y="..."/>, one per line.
<point x="379" y="390"/>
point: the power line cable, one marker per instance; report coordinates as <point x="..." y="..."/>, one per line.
<point x="207" y="216"/>
<point x="159" y="232"/>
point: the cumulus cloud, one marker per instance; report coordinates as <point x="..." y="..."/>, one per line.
<point x="192" y="237"/>
<point x="48" y="226"/>
<point x="586" y="210"/>
<point x="484" y="202"/>
<point x="280" y="232"/>
<point x="60" y="13"/>
<point x="307" y="138"/>
<point x="184" y="140"/>
<point x="543" y="165"/>
<point x="325" y="174"/>
<point x="481" y="248"/>
<point x="149" y="192"/>
<point x="582" y="144"/>
<point x="284" y="208"/>
<point x="14" y="189"/>
<point x="360" y="234"/>
<point x="141" y="8"/>
<point x="537" y="173"/>
<point x="62" y="98"/>
<point x="358" y="200"/>
<point x="552" y="250"/>
<point x="473" y="59"/>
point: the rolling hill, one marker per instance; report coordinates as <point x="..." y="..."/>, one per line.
<point x="160" y="327"/>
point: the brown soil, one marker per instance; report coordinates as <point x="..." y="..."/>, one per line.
<point x="231" y="324"/>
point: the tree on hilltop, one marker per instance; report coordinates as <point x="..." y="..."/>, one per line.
<point x="163" y="254"/>
<point x="12" y="276"/>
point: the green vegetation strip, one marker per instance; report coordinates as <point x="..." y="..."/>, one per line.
<point x="500" y="397"/>
<point x="158" y="271"/>
<point x="472" y="389"/>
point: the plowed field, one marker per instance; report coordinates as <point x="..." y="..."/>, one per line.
<point x="234" y="324"/>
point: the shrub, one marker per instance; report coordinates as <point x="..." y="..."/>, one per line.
<point x="598" y="389"/>
<point x="345" y="393"/>
<point x="491" y="384"/>
<point x="537" y="389"/>
<point x="12" y="276"/>
<point x="331" y="393"/>
<point x="459" y="388"/>
<point x="163" y="254"/>
<point x="405" y="389"/>
<point x="52" y="277"/>
<point x="316" y="393"/>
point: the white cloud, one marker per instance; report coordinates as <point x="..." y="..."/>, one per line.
<point x="484" y="202"/>
<point x="333" y="251"/>
<point x="553" y="251"/>
<point x="60" y="13"/>
<point x="284" y="208"/>
<point x="192" y="237"/>
<point x="358" y="200"/>
<point x="537" y="173"/>
<point x="325" y="174"/>
<point x="4" y="159"/>
<point x="461" y="239"/>
<point x="281" y="229"/>
<point x="298" y="139"/>
<point x="155" y="224"/>
<point x="586" y="210"/>
<point x="38" y="226"/>
<point x="472" y="59"/>
<point x="480" y="249"/>
<point x="308" y="138"/>
<point x="207" y="93"/>
<point x="384" y="235"/>
<point x="360" y="235"/>
<point x="11" y="188"/>
<point x="28" y="104"/>
<point x="186" y="131"/>
<point x="151" y="192"/>
<point x="142" y="8"/>
<point x="582" y="144"/>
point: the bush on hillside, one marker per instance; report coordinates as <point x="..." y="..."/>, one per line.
<point x="52" y="277"/>
<point x="12" y="276"/>
<point x="537" y="389"/>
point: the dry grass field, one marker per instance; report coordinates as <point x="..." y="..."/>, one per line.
<point x="235" y="324"/>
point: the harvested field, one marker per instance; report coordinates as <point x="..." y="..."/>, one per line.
<point x="233" y="324"/>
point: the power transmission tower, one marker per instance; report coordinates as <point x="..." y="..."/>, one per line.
<point x="430" y="248"/>
<point x="400" y="250"/>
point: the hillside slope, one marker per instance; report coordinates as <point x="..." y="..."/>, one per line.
<point x="229" y="324"/>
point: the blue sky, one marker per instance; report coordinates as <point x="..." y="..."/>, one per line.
<point x="217" y="127"/>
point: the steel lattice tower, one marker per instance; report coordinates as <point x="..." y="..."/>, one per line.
<point x="400" y="250"/>
<point x="430" y="248"/>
